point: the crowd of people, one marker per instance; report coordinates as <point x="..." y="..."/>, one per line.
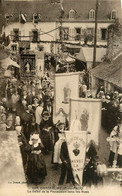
<point x="28" y="108"/>
<point x="110" y="108"/>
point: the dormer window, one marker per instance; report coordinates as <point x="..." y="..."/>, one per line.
<point x="113" y="14"/>
<point x="72" y="14"/>
<point x="91" y="14"/>
<point x="35" y="18"/>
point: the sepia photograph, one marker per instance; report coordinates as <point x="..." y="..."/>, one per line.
<point x="60" y="97"/>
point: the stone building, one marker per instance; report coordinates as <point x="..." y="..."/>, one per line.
<point x="46" y="25"/>
<point x="109" y="72"/>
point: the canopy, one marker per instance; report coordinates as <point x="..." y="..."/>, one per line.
<point x="86" y="54"/>
<point x="7" y="62"/>
<point x="69" y="59"/>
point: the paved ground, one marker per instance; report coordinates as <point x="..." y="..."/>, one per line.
<point x="52" y="178"/>
<point x="53" y="175"/>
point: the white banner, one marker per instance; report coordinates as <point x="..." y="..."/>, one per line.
<point x="76" y="143"/>
<point x="87" y="114"/>
<point x="66" y="86"/>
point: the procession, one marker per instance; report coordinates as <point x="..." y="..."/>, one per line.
<point x="60" y="108"/>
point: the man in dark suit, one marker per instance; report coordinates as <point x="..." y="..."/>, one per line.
<point x="66" y="165"/>
<point x="49" y="108"/>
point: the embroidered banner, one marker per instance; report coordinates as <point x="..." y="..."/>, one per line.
<point x="76" y="142"/>
<point x="66" y="86"/>
<point x="86" y="115"/>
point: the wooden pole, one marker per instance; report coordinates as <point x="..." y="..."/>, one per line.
<point x="95" y="37"/>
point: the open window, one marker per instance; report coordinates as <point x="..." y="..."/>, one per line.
<point x="35" y="35"/>
<point x="65" y="33"/>
<point x="7" y="18"/>
<point x="103" y="34"/>
<point x="14" y="47"/>
<point x="92" y="14"/>
<point x="16" y="34"/>
<point x="90" y="31"/>
<point x="77" y="33"/>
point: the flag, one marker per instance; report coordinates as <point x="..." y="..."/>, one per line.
<point x="22" y="18"/>
<point x="62" y="9"/>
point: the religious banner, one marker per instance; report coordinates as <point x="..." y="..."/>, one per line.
<point x="76" y="143"/>
<point x="28" y="66"/>
<point x="66" y="86"/>
<point x="85" y="114"/>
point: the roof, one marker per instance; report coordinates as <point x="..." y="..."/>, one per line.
<point x="6" y="62"/>
<point x="110" y="72"/>
<point x="86" y="54"/>
<point x="51" y="11"/>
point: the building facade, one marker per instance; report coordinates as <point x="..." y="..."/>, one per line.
<point x="47" y="21"/>
<point x="53" y="25"/>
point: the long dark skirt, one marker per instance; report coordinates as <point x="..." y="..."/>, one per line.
<point x="119" y="160"/>
<point x="111" y="157"/>
<point x="36" y="168"/>
<point x="46" y="140"/>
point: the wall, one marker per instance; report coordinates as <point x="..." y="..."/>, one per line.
<point x="84" y="26"/>
<point x="26" y="29"/>
<point x="114" y="39"/>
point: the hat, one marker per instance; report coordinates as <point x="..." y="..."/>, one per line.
<point x="108" y="97"/>
<point x="59" y="123"/>
<point x="115" y="92"/>
<point x="45" y="114"/>
<point x="35" y="137"/>
<point x="35" y="99"/>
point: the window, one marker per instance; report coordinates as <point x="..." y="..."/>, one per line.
<point x="35" y="36"/>
<point x="103" y="34"/>
<point x="7" y="18"/>
<point x="113" y="14"/>
<point x="35" y="18"/>
<point x="65" y="33"/>
<point x="15" y="35"/>
<point x="14" y="47"/>
<point x="71" y="14"/>
<point x="92" y="14"/>
<point x="77" y="33"/>
<point x="90" y="31"/>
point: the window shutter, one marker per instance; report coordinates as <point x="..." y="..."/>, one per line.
<point x="38" y="36"/>
<point x="11" y="35"/>
<point x="84" y="33"/>
<point x="80" y="33"/>
<point x="93" y="31"/>
<point x="98" y="34"/>
<point x="72" y="34"/>
<point x="30" y="34"/>
<point x="19" y="35"/>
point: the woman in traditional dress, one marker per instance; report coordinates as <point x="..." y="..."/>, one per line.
<point x="36" y="167"/>
<point x="57" y="146"/>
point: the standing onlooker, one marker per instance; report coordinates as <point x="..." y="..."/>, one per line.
<point x="38" y="112"/>
<point x="36" y="167"/>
